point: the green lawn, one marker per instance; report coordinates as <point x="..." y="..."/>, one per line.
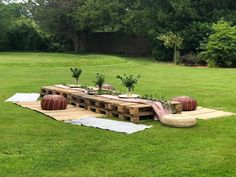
<point x="33" y="145"/>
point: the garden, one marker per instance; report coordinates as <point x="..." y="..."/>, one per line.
<point x="117" y="88"/>
<point x="33" y="144"/>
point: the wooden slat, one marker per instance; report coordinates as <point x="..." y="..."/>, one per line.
<point x="72" y="112"/>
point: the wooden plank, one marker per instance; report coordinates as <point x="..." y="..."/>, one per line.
<point x="199" y="111"/>
<point x="71" y="113"/>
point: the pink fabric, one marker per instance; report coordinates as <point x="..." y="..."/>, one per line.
<point x="156" y="105"/>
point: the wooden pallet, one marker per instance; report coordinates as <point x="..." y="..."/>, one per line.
<point x="101" y="105"/>
<point x="114" y="108"/>
<point x="52" y="90"/>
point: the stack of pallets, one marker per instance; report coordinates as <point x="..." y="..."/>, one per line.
<point x="111" y="107"/>
<point x="52" y="90"/>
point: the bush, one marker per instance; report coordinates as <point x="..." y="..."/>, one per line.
<point x="192" y="59"/>
<point x="160" y="53"/>
<point x="26" y="37"/>
<point x="220" y="48"/>
<point x="194" y="35"/>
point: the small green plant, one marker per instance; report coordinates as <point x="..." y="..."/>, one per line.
<point x="165" y="103"/>
<point x="76" y="72"/>
<point x="173" y="41"/>
<point x="100" y="80"/>
<point x="129" y="81"/>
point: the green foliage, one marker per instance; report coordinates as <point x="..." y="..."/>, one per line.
<point x="129" y="81"/>
<point x="26" y="37"/>
<point x="9" y="13"/>
<point x="100" y="80"/>
<point x="76" y="72"/>
<point x="195" y="34"/>
<point x="172" y="41"/>
<point x="192" y="59"/>
<point x="165" y="102"/>
<point x="68" y="23"/>
<point x="220" y="48"/>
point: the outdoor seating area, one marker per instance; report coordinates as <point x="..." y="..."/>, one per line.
<point x="134" y="111"/>
<point x="102" y="88"/>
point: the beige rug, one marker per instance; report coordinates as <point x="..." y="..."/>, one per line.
<point x="206" y="113"/>
<point x="71" y="113"/>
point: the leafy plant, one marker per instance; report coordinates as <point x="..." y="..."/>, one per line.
<point x="100" y="80"/>
<point x="220" y="48"/>
<point x="76" y="72"/>
<point x="129" y="81"/>
<point x="172" y="41"/>
<point x="165" y="103"/>
<point x="192" y="59"/>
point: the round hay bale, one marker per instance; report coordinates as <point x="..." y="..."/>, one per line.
<point x="178" y="120"/>
<point x="53" y="102"/>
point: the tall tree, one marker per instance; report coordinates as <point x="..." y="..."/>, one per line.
<point x="58" y="17"/>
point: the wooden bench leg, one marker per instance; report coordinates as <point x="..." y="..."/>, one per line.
<point x="134" y="119"/>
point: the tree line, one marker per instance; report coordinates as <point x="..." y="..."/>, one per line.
<point x="62" y="24"/>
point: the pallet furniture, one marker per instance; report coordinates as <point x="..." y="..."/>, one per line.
<point x="114" y="108"/>
<point x="52" y="90"/>
<point x="110" y="107"/>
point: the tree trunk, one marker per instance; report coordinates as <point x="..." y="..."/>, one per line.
<point x="82" y="42"/>
<point x="176" y="55"/>
<point x="75" y="40"/>
<point x="78" y="39"/>
<point x="175" y="59"/>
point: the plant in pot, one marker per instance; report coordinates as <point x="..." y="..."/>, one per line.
<point x="129" y="81"/>
<point x="76" y="72"/>
<point x="100" y="80"/>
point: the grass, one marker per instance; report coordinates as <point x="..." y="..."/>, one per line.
<point x="34" y="145"/>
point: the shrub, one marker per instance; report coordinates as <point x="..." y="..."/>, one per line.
<point x="194" y="35"/>
<point x="26" y="37"/>
<point x="192" y="59"/>
<point x="220" y="48"/>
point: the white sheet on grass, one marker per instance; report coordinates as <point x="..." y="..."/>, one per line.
<point x="112" y="125"/>
<point x="24" y="97"/>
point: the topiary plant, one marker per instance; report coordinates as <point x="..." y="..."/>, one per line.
<point x="129" y="81"/>
<point x="76" y="72"/>
<point x="100" y="80"/>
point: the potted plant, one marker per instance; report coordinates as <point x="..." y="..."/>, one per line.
<point x="100" y="80"/>
<point x="76" y="72"/>
<point x="129" y="81"/>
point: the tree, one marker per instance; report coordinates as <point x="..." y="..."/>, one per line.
<point x="58" y="17"/>
<point x="74" y="19"/>
<point x="220" y="48"/>
<point x="9" y="13"/>
<point x="173" y="41"/>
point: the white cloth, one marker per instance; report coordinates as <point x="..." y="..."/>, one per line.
<point x="112" y="125"/>
<point x="24" y="97"/>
